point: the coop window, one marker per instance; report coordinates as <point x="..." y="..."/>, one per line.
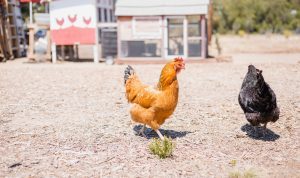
<point x="194" y="36"/>
<point x="194" y="27"/>
<point x="111" y="15"/>
<point x="105" y="15"/>
<point x="141" y="48"/>
<point x="147" y="27"/>
<point x="194" y="47"/>
<point x="100" y="15"/>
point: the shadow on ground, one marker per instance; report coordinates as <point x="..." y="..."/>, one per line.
<point x="80" y="60"/>
<point x="168" y="133"/>
<point x="269" y="136"/>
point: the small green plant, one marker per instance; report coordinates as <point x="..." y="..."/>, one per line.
<point x="235" y="174"/>
<point x="162" y="148"/>
<point x="233" y="162"/>
<point x="249" y="174"/>
<point x="246" y="174"/>
<point x="241" y="33"/>
<point x="287" y="33"/>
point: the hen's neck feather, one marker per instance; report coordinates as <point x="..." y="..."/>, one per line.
<point x="167" y="77"/>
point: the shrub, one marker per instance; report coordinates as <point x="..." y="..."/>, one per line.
<point x="162" y="148"/>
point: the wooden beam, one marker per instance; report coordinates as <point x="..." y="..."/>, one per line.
<point x="204" y="37"/>
<point x="210" y="22"/>
<point x="53" y="49"/>
<point x="31" y="42"/>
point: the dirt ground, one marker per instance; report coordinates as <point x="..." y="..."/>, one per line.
<point x="259" y="43"/>
<point x="72" y="120"/>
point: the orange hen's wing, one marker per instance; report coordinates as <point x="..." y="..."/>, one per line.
<point x="141" y="94"/>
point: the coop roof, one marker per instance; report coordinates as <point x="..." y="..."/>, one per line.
<point x="161" y="7"/>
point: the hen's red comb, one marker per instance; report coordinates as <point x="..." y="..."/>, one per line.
<point x="178" y="59"/>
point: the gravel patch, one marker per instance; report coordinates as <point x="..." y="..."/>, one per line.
<point x="72" y="120"/>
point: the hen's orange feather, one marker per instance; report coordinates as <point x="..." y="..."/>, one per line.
<point x="153" y="105"/>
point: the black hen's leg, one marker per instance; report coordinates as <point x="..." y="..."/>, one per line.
<point x="265" y="129"/>
<point x="256" y="131"/>
<point x="253" y="119"/>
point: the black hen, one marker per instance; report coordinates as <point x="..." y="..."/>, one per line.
<point x="257" y="99"/>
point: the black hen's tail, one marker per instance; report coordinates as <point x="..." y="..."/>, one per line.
<point x="128" y="71"/>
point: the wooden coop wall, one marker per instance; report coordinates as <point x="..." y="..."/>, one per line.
<point x="140" y="38"/>
<point x="149" y="38"/>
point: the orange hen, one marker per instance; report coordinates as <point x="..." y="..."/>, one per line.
<point x="153" y="105"/>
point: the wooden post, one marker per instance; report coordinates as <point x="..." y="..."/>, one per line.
<point x="62" y="52"/>
<point x="119" y="36"/>
<point x="53" y="49"/>
<point x="31" y="42"/>
<point x="72" y="55"/>
<point x="30" y="12"/>
<point x="209" y="22"/>
<point x="203" y="36"/>
<point x="48" y="53"/>
<point x="185" y="37"/>
<point x="165" y="37"/>
<point x="96" y="46"/>
<point x="96" y="56"/>
<point x="162" y="26"/>
<point x="76" y="52"/>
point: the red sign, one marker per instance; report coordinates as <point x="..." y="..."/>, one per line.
<point x="73" y="22"/>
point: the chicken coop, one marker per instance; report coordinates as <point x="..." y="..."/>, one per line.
<point x="155" y="30"/>
<point x="83" y="24"/>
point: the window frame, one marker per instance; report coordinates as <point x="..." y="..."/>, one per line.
<point x="201" y="39"/>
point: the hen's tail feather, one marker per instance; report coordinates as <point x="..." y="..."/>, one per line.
<point x="128" y="72"/>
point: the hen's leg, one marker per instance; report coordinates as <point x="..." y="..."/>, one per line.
<point x="141" y="115"/>
<point x="155" y="126"/>
<point x="253" y="119"/>
<point x="256" y="133"/>
<point x="142" y="131"/>
<point x="159" y="134"/>
<point x="265" y="129"/>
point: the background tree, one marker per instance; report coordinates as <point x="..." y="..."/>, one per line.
<point x="256" y="16"/>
